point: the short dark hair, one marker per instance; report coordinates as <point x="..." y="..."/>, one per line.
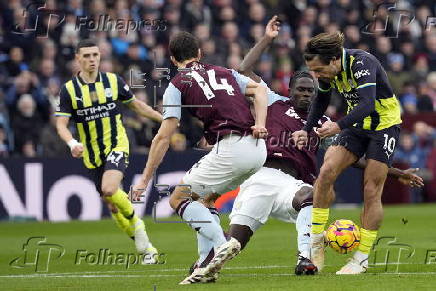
<point x="85" y="43"/>
<point x="184" y="46"/>
<point x="297" y="75"/>
<point x="327" y="46"/>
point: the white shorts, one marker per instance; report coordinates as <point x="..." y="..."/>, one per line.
<point x="269" y="192"/>
<point x="231" y="161"/>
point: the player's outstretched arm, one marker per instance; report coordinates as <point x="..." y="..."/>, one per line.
<point x="406" y="177"/>
<point x="65" y="134"/>
<point x="158" y="149"/>
<point x="140" y="108"/>
<point x="271" y="32"/>
<point x="260" y="108"/>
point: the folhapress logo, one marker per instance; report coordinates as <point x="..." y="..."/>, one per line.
<point x="38" y="254"/>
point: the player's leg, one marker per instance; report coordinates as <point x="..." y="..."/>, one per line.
<point x="294" y="205"/>
<point x="200" y="218"/>
<point x="371" y="218"/>
<point x="232" y="160"/>
<point x="254" y="204"/>
<point x="336" y="160"/>
<point x="110" y="188"/>
<point x="205" y="246"/>
<point x="122" y="222"/>
<point x="379" y="155"/>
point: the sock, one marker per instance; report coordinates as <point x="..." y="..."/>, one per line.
<point x="121" y="201"/>
<point x="123" y="223"/>
<point x="319" y="219"/>
<point x="367" y="238"/>
<point x="205" y="245"/>
<point x="303" y="224"/>
<point x="208" y="227"/>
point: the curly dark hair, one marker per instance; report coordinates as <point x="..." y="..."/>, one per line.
<point x="184" y="46"/>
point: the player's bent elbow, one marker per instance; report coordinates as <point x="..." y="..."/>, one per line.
<point x="260" y="91"/>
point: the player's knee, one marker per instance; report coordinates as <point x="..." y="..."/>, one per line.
<point x="303" y="198"/>
<point x="179" y="195"/>
<point x="373" y="185"/>
<point x="328" y="172"/>
<point x="108" y="190"/>
<point x="175" y="201"/>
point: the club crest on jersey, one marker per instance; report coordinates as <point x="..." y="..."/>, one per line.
<point x="108" y="92"/>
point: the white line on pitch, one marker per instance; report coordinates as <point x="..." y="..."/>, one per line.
<point x="174" y="275"/>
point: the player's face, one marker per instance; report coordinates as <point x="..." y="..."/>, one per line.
<point x="303" y="93"/>
<point x="88" y="58"/>
<point x="322" y="71"/>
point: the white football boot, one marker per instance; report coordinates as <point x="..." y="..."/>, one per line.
<point x="354" y="267"/>
<point x="317" y="249"/>
<point x="151" y="255"/>
<point x="224" y="253"/>
<point x="198" y="277"/>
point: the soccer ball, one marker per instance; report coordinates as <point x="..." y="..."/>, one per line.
<point x="343" y="236"/>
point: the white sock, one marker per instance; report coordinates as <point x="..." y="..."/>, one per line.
<point x="205" y="245"/>
<point x="303" y="223"/>
<point x="209" y="228"/>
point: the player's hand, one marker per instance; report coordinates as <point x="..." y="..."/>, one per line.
<point x="138" y="189"/>
<point x="77" y="150"/>
<point x="328" y="128"/>
<point x="409" y="178"/>
<point x="259" y="131"/>
<point x="300" y="139"/>
<point x="272" y="28"/>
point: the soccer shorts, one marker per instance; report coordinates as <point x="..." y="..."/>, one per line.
<point x="376" y="145"/>
<point x="114" y="161"/>
<point x="231" y="161"/>
<point x="269" y="192"/>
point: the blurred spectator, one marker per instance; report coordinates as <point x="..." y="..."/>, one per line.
<point x="51" y="144"/>
<point x="409" y="152"/>
<point x="383" y="48"/>
<point x="424" y="102"/>
<point x="26" y="124"/>
<point x="27" y="83"/>
<point x="408" y="98"/>
<point x="424" y="135"/>
<point x="397" y="76"/>
<point x="15" y="64"/>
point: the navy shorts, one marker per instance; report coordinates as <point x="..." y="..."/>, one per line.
<point x="114" y="161"/>
<point x="376" y="145"/>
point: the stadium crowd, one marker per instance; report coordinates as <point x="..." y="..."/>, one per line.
<point x="37" y="56"/>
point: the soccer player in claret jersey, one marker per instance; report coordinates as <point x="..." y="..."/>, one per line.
<point x="370" y="128"/>
<point x="92" y="99"/>
<point x="216" y="96"/>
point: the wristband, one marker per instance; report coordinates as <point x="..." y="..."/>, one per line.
<point x="72" y="143"/>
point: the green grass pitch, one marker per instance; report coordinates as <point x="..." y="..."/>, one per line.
<point x="266" y="264"/>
